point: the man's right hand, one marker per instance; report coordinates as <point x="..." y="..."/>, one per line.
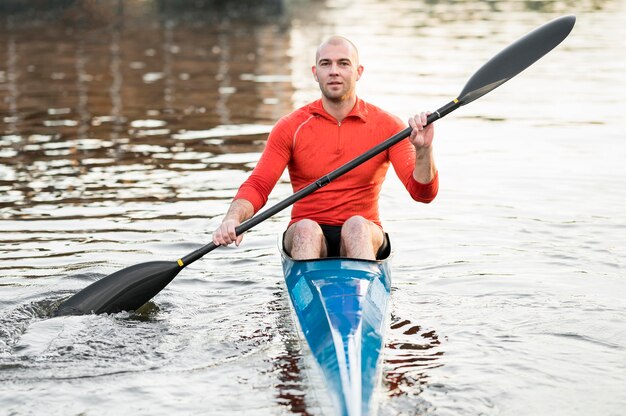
<point x="239" y="211"/>
<point x="225" y="233"/>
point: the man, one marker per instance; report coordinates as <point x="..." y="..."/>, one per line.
<point x="340" y="219"/>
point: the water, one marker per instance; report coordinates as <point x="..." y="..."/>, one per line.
<point x="128" y="126"/>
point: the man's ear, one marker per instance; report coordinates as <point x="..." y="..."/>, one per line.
<point x="314" y="71"/>
<point x="359" y="71"/>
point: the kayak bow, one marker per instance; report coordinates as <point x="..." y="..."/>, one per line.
<point x="341" y="308"/>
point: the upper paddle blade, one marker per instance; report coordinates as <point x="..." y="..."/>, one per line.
<point x="125" y="290"/>
<point x="516" y="58"/>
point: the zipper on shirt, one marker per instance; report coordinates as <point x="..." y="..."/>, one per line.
<point x="339" y="138"/>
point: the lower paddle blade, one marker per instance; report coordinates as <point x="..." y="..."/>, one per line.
<point x="516" y="58"/>
<point x="125" y="290"/>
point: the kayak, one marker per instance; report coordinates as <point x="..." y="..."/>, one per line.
<point x="340" y="305"/>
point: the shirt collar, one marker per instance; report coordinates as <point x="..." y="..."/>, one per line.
<point x="358" y="111"/>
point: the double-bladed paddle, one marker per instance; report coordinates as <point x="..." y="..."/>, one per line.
<point x="130" y="288"/>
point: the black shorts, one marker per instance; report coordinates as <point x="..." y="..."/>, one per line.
<point x="332" y="233"/>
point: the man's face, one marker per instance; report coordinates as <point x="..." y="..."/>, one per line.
<point x="337" y="70"/>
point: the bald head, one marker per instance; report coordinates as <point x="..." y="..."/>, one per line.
<point x="337" y="70"/>
<point x="339" y="41"/>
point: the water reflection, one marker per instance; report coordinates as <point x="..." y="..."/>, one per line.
<point x="288" y="362"/>
<point x="408" y="362"/>
<point x="85" y="99"/>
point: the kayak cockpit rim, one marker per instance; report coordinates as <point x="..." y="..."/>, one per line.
<point x="385" y="256"/>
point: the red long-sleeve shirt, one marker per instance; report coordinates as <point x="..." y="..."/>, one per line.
<point x="311" y="143"/>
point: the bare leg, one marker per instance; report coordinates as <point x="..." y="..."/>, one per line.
<point x="305" y="240"/>
<point x="360" y="238"/>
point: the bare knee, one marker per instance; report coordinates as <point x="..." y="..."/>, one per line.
<point x="305" y="239"/>
<point x="306" y="228"/>
<point x="360" y="238"/>
<point x="355" y="225"/>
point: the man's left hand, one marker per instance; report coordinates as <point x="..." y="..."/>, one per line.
<point x="421" y="136"/>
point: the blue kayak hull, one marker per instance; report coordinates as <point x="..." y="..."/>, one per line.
<point x="341" y="307"/>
